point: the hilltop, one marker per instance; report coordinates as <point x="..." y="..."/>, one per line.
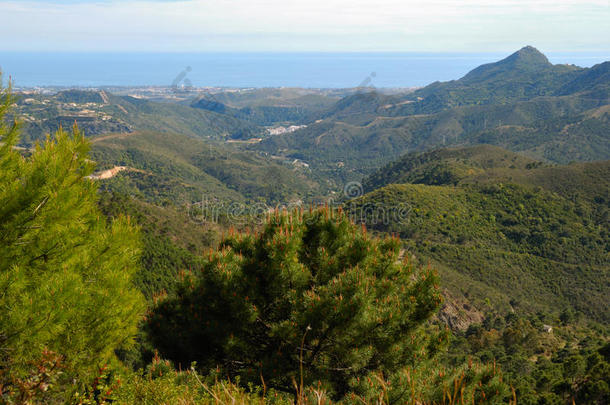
<point x="487" y="164"/>
<point x="267" y="107"/>
<point x="521" y="76"/>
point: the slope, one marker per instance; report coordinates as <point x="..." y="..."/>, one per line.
<point x="487" y="164"/>
<point x="181" y="169"/>
<point x="523" y="103"/>
<point x="99" y="112"/>
<point x="506" y="231"/>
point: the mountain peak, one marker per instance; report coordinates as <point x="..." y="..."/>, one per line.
<point x="526" y="60"/>
<point x="527" y="56"/>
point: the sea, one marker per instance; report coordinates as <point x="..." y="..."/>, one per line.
<point x="243" y="70"/>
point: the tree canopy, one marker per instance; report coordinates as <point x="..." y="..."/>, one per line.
<point x="310" y="297"/>
<point x="65" y="273"/>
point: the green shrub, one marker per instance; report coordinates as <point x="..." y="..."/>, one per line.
<point x="311" y="297"/>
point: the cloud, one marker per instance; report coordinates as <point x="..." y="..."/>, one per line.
<point x="193" y="25"/>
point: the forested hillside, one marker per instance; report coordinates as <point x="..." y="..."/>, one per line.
<point x="270" y="106"/>
<point x="170" y="167"/>
<point x="487" y="164"/>
<point x="523" y="103"/>
<point x="488" y="206"/>
<point x="517" y="242"/>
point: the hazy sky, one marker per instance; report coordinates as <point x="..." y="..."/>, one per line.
<point x="313" y="25"/>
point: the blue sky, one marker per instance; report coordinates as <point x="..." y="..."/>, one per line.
<point x="314" y="25"/>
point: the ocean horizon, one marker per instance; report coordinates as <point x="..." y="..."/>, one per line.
<point x="256" y="69"/>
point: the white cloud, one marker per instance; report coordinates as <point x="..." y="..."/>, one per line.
<point x="305" y="25"/>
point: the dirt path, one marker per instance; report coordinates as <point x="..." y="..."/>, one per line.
<point x="110" y="173"/>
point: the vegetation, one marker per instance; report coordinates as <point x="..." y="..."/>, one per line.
<point x="543" y="366"/>
<point x="170" y="240"/>
<point x="116" y="287"/>
<point x="65" y="273"/>
<point x="174" y="168"/>
<point x="524" y="265"/>
<point x="473" y="222"/>
<point x="487" y="164"/>
<point x="310" y="294"/>
<point x="522" y="103"/>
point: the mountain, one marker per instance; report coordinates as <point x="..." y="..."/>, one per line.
<point x="521" y="76"/>
<point x="595" y="80"/>
<point x="527" y="58"/>
<point x="500" y="226"/>
<point x="526" y="62"/>
<point x="555" y="113"/>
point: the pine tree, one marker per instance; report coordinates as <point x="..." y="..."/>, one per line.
<point x="65" y="274"/>
<point x="312" y="299"/>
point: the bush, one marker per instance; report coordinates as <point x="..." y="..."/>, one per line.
<point x="312" y="298"/>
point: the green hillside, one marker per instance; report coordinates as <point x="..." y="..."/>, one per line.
<point x="269" y="106"/>
<point x="99" y="112"/>
<point x="521" y="76"/>
<point x="540" y="250"/>
<point x="180" y="169"/>
<point x="530" y="232"/>
<point x="521" y="246"/>
<point x="555" y="113"/>
<point x="484" y="164"/>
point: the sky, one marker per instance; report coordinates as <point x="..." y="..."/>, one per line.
<point x="312" y="25"/>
